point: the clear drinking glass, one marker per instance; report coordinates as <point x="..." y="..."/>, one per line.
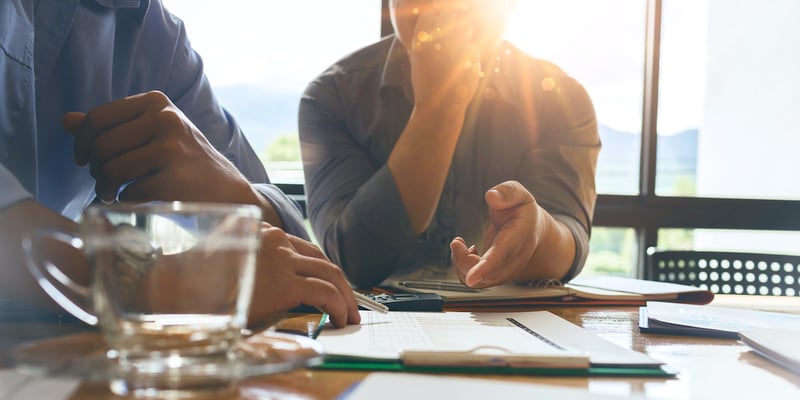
<point x="170" y="289"/>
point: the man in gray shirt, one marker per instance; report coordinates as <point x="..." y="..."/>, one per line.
<point x="442" y="145"/>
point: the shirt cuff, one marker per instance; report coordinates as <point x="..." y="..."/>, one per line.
<point x="287" y="209"/>
<point x="581" y="245"/>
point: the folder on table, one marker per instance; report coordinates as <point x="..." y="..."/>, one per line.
<point x="536" y="342"/>
<point x="593" y="290"/>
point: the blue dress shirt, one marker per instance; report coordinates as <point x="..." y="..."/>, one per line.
<point x="69" y="55"/>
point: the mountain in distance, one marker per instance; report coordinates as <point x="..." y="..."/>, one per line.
<point x="618" y="163"/>
<point x="263" y="115"/>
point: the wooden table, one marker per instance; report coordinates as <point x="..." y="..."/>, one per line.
<point x="707" y="368"/>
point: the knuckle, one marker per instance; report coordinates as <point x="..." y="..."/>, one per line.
<point x="157" y="98"/>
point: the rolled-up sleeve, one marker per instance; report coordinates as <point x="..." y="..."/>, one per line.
<point x="356" y="211"/>
<point x="564" y="160"/>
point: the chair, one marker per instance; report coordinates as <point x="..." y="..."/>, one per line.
<point x="727" y="272"/>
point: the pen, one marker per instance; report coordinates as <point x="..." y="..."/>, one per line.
<point x="370" y="304"/>
<point x="437" y="285"/>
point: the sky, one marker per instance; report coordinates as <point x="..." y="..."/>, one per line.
<point x="282" y="45"/>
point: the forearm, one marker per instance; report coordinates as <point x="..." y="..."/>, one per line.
<point x="421" y="159"/>
<point x="554" y="254"/>
<point x="18" y="221"/>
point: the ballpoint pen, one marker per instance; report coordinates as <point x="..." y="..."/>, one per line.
<point x="370" y="304"/>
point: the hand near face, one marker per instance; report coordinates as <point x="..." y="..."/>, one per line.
<point x="145" y="141"/>
<point x="510" y="240"/>
<point x="445" y="58"/>
<point x="291" y="272"/>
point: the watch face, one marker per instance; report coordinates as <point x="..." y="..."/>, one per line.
<point x="133" y="247"/>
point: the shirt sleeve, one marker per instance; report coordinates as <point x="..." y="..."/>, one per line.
<point x="354" y="206"/>
<point x="191" y="91"/>
<point x="13" y="191"/>
<point x="564" y="159"/>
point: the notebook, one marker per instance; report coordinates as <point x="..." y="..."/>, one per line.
<point x="525" y="342"/>
<point x="594" y="290"/>
<point x="688" y="319"/>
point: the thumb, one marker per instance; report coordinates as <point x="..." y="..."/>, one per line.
<point x="507" y="195"/>
<point x="72" y="121"/>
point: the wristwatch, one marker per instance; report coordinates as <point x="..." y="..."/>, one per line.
<point x="134" y="255"/>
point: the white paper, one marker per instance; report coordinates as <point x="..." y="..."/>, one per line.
<point x="388" y="336"/>
<point x="18" y="386"/>
<point x="719" y="318"/>
<point x="397" y="386"/>
<point x="779" y="345"/>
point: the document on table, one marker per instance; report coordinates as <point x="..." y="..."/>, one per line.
<point x="521" y="339"/>
<point x="401" y="386"/>
<point x="781" y="346"/>
<point x="660" y="317"/>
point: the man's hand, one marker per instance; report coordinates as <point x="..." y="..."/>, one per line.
<point x="511" y="239"/>
<point x="445" y="58"/>
<point x="145" y="141"/>
<point x="290" y="272"/>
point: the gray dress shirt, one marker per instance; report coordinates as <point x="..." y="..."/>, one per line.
<point x="529" y="122"/>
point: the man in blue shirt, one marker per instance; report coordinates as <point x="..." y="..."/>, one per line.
<point x="122" y="79"/>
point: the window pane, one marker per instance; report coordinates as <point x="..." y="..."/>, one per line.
<point x="728" y="95"/>
<point x="260" y="55"/>
<point x="773" y="242"/>
<point x="613" y="252"/>
<point x="601" y="44"/>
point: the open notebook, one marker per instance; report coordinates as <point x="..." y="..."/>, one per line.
<point x="597" y="290"/>
<point x="525" y="342"/>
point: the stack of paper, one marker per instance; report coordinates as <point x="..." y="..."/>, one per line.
<point x="779" y="345"/>
<point x="594" y="290"/>
<point x="686" y="319"/>
<point x="524" y="342"/>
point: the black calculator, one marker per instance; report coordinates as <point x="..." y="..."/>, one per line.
<point x="409" y="301"/>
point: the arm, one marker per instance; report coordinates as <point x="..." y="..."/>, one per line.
<point x="188" y="122"/>
<point x="351" y="201"/>
<point x="16" y="222"/>
<point x="444" y="75"/>
<point x="540" y="225"/>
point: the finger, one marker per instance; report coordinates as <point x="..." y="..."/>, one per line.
<point x="329" y="272"/>
<point x="71" y="121"/>
<point x="507" y="255"/>
<point x="307" y="248"/>
<point x="323" y="295"/>
<point x="463" y="258"/>
<point x="104" y="117"/>
<point x="507" y="195"/>
<point x="120" y="139"/>
<point x="128" y="167"/>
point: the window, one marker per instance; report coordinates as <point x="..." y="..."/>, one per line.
<point x="694" y="99"/>
<point x="727" y="99"/>
<point x="260" y="55"/>
<point x="601" y="44"/>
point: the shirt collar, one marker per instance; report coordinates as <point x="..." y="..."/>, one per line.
<point x="119" y="3"/>
<point x="397" y="72"/>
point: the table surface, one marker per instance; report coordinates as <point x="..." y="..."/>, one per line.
<point x="707" y="368"/>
